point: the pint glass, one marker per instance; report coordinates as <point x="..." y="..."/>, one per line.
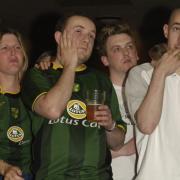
<point x="94" y="98"/>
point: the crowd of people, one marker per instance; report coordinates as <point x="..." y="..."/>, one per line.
<point x="44" y="132"/>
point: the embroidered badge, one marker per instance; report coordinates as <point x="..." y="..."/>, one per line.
<point x="76" y="109"/>
<point x="15" y="134"/>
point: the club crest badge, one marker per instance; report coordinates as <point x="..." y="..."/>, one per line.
<point x="15" y="134"/>
<point x="76" y="109"/>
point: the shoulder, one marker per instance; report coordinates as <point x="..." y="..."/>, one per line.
<point x="98" y="74"/>
<point x="137" y="77"/>
<point x="32" y="71"/>
<point x="142" y="67"/>
<point x="101" y="74"/>
<point x="136" y="72"/>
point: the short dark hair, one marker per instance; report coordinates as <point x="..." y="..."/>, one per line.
<point x="118" y="27"/>
<point x="62" y="21"/>
<point x="172" y="13"/>
<point x="157" y="51"/>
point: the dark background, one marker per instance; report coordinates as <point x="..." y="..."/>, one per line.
<point x="36" y="19"/>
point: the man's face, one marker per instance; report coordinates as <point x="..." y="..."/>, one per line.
<point x="172" y="31"/>
<point x="121" y="53"/>
<point x="85" y="31"/>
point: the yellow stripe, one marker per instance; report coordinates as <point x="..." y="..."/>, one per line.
<point x="4" y="92"/>
<point x="121" y="126"/>
<point x="37" y="99"/>
<point x="81" y="67"/>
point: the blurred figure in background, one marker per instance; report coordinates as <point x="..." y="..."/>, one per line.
<point x="156" y="52"/>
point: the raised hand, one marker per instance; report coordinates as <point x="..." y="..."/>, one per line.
<point x="170" y="62"/>
<point x="68" y="50"/>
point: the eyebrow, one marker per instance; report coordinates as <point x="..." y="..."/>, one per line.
<point x="80" y="26"/>
<point x="127" y="43"/>
<point x="176" y="23"/>
<point x="115" y="46"/>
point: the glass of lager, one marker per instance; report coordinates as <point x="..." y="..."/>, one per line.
<point x="94" y="98"/>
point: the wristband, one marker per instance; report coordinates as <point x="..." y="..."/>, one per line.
<point x="113" y="127"/>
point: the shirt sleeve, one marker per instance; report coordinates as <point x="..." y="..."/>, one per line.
<point x="112" y="100"/>
<point x="116" y="115"/>
<point x="34" y="85"/>
<point x="135" y="90"/>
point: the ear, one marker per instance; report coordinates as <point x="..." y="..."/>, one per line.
<point x="137" y="56"/>
<point x="104" y="60"/>
<point x="166" y="29"/>
<point x="57" y="36"/>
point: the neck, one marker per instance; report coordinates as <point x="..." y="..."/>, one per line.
<point x="178" y="71"/>
<point x="9" y="83"/>
<point x="117" y="78"/>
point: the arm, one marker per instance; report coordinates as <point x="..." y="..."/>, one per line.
<point x="10" y="172"/>
<point x="116" y="135"/>
<point x="127" y="150"/>
<point x="51" y="105"/>
<point x="149" y="112"/>
<point x="115" y="138"/>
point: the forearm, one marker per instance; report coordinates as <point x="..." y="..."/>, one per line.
<point x="127" y="150"/>
<point x="115" y="138"/>
<point x="52" y="104"/>
<point x="149" y="112"/>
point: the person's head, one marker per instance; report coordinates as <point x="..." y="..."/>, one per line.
<point x="13" y="57"/>
<point x="117" y="47"/>
<point x="82" y="28"/>
<point x="172" y="30"/>
<point x="156" y="52"/>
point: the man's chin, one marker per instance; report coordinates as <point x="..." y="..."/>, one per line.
<point x="83" y="59"/>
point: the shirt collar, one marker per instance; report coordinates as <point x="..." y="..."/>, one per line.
<point x="81" y="67"/>
<point x="7" y="92"/>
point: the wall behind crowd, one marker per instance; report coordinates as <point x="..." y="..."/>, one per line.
<point x="36" y="20"/>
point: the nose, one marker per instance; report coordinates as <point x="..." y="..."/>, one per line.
<point x="178" y="41"/>
<point x="12" y="51"/>
<point x="125" y="51"/>
<point x="85" y="38"/>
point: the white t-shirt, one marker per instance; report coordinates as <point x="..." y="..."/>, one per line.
<point x="123" y="167"/>
<point x="159" y="157"/>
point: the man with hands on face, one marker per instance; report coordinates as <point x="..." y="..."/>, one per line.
<point x="154" y="104"/>
<point x="69" y="146"/>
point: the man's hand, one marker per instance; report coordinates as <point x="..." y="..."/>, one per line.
<point x="68" y="50"/>
<point x="103" y="117"/>
<point x="44" y="64"/>
<point x="169" y="62"/>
